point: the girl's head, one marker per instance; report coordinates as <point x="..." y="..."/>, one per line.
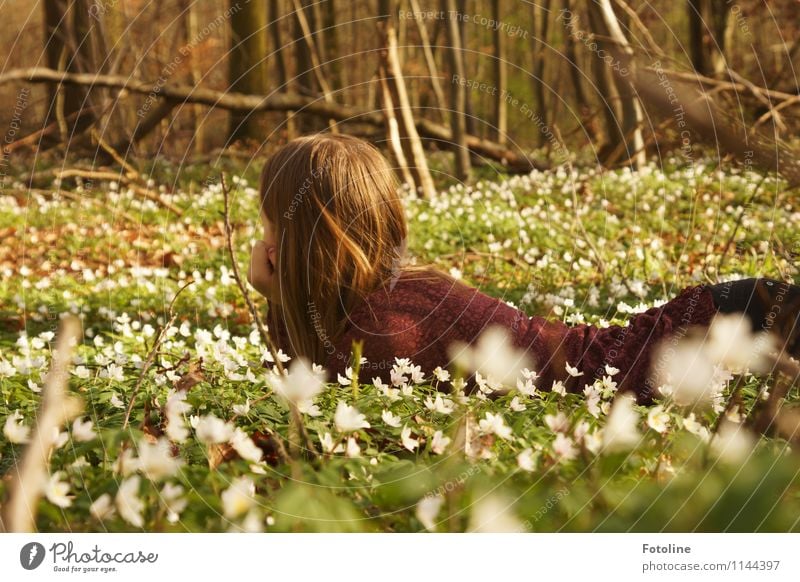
<point x="329" y="202"/>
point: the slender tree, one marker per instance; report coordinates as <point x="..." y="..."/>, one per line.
<point x="458" y="91"/>
<point x="500" y="121"/>
<point x="68" y="47"/>
<point x="247" y="72"/>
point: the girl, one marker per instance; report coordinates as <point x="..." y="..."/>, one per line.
<point x="330" y="267"/>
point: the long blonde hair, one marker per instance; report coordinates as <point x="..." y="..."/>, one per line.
<point x="341" y="232"/>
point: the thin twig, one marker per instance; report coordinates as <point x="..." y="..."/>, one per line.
<point x="133" y="174"/>
<point x="738" y="223"/>
<point x="152" y="354"/>
<point x="235" y="268"/>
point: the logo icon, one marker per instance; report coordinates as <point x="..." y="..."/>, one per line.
<point x="31" y="555"/>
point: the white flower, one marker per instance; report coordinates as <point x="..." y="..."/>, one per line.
<point x="347" y="379"/>
<point x="176" y="408"/>
<point x="563" y="447"/>
<point x="301" y="383"/>
<point x="558" y="422"/>
<point x="156" y="461"/>
<point x="126" y="463"/>
<point x="687" y="370"/>
<point x="211" y="430"/>
<point x="593" y="441"/>
<point x="352" y="449"/>
<point x="390" y="419"/>
<point x="657" y="419"/>
<point x="493" y="514"/>
<point x="113" y="372"/>
<point x="441" y="374"/>
<point x="252" y="522"/>
<point x="733" y="443"/>
<point x="242" y="409"/>
<point x="733" y="344"/>
<point x="516" y="405"/>
<point x="102" y="507"/>
<point x="15" y="431"/>
<point x="326" y="440"/>
<point x="128" y="503"/>
<point x="116" y="402"/>
<point x="528" y="388"/>
<point x="82" y="431"/>
<point x="440" y="405"/>
<point x="245" y="446"/>
<point x="7" y="369"/>
<point x="56" y="490"/>
<point x="59" y="439"/>
<point x="694" y="427"/>
<point x="611" y="370"/>
<point x="494" y="356"/>
<point x="239" y="497"/>
<point x="308" y="407"/>
<point x="526" y="460"/>
<point x="559" y="388"/>
<point x="408" y="442"/>
<point x="81" y="372"/>
<point x="493" y="423"/>
<point x="173" y="501"/>
<point x="573" y="371"/>
<point x="427" y="509"/>
<point x="439" y="442"/>
<point x="621" y="430"/>
<point x="609" y="387"/>
<point x="348" y="419"/>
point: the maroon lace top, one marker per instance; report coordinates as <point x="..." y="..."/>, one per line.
<point x="419" y="319"/>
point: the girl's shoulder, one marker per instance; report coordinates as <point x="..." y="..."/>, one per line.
<point x="430" y="296"/>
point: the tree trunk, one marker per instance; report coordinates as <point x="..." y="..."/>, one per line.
<point x="279" y="51"/>
<point x="626" y="129"/>
<point x="199" y="134"/>
<point x="441" y="104"/>
<point x="697" y="51"/>
<point x="458" y="92"/>
<point x="500" y="121"/>
<point x="68" y="47"/>
<point x="719" y="46"/>
<point x="538" y="65"/>
<point x="304" y="80"/>
<point x="575" y="71"/>
<point x="247" y="72"/>
<point x="397" y="98"/>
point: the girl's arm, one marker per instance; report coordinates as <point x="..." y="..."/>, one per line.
<point x="628" y="348"/>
